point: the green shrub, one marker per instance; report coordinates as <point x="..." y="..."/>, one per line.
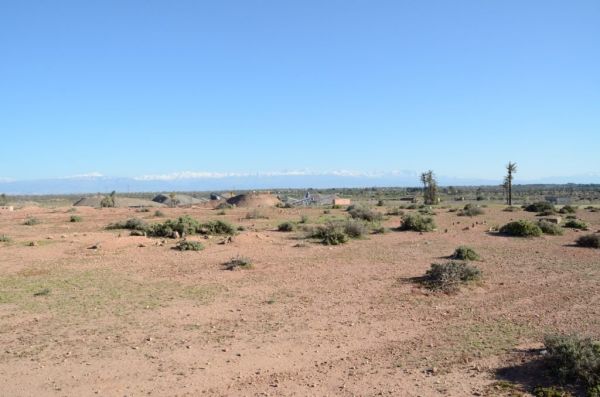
<point x="550" y="392"/>
<point x="76" y="218"/>
<point x="355" y="228"/>
<point x="330" y="234"/>
<point x="31" y="221"/>
<point x="286" y="227"/>
<point x="238" y="262"/>
<point x="5" y="239"/>
<point x="417" y="223"/>
<point x="465" y="253"/>
<point x="550" y="228"/>
<point x="130" y="224"/>
<point x="470" y="210"/>
<point x="365" y="214"/>
<point x="568" y="209"/>
<point x="576" y="224"/>
<point x="574" y="359"/>
<point x="426" y="211"/>
<point x="159" y="214"/>
<point x="217" y="227"/>
<point x="449" y="276"/>
<point x="184" y="224"/>
<point x="540" y="206"/>
<point x="304" y="218"/>
<point x="380" y="203"/>
<point x="143" y="209"/>
<point x="521" y="228"/>
<point x="589" y="241"/>
<point x="186" y="245"/>
<point x="379" y="230"/>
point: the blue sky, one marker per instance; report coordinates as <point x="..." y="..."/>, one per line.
<point x="131" y="88"/>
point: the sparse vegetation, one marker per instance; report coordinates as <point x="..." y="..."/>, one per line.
<point x="187" y="245"/>
<point x="109" y="201"/>
<point x="159" y="214"/>
<point x="239" y="262"/>
<point x="521" y="228"/>
<point x="576" y="224"/>
<point x="394" y="211"/>
<point x="471" y="210"/>
<point x="540" y="206"/>
<point x="568" y="209"/>
<point x="430" y="188"/>
<point x="330" y="234"/>
<point x="465" y="253"/>
<point x="511" y="209"/>
<point x="589" y="241"/>
<point x="573" y="359"/>
<point x="130" y="224"/>
<point x="355" y="228"/>
<point x="286" y="227"/>
<point x="256" y="214"/>
<point x="417" y="223"/>
<point x="5" y="239"/>
<point x="75" y="218"/>
<point x="448" y="277"/>
<point x="365" y="214"/>
<point x="550" y="228"/>
<point x="31" y="221"/>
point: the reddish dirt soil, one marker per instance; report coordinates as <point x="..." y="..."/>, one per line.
<point x="135" y="317"/>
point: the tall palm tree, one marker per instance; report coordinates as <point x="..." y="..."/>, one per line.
<point x="511" y="169"/>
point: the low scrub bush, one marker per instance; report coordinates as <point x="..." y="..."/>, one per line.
<point x="379" y="230"/>
<point x="448" y="277"/>
<point x="573" y="359"/>
<point x="31" y="221"/>
<point x="550" y="228"/>
<point x="5" y="239"/>
<point x="365" y="214"/>
<point x="417" y="223"/>
<point x="426" y="211"/>
<point x="568" y="209"/>
<point x="589" y="241"/>
<point x="304" y="218"/>
<point x="465" y="253"/>
<point x="330" y="234"/>
<point x="576" y="224"/>
<point x="256" y="214"/>
<point x="159" y="214"/>
<point x="129" y="224"/>
<point x="286" y="227"/>
<point x="239" y="262"/>
<point x="217" y="227"/>
<point x="190" y="226"/>
<point x="521" y="228"/>
<point x="471" y="210"/>
<point x="143" y="209"/>
<point x="186" y="245"/>
<point x="511" y="209"/>
<point x="355" y="228"/>
<point x="540" y="206"/>
<point x="394" y="211"/>
<point x="75" y="218"/>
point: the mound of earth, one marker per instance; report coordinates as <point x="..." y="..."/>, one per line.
<point x="179" y="199"/>
<point x="120" y="202"/>
<point x="254" y="200"/>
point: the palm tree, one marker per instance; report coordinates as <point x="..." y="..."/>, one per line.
<point x="429" y="187"/>
<point x="511" y="168"/>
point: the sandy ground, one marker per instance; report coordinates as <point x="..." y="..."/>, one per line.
<point x="135" y="317"/>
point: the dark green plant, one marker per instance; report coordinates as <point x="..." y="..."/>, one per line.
<point x="568" y="209"/>
<point x="417" y="223"/>
<point x="76" y="218"/>
<point x="130" y="224"/>
<point x="574" y="359"/>
<point x="540" y="206"/>
<point x="465" y="253"/>
<point x="576" y="224"/>
<point x="330" y="234"/>
<point x="355" y="228"/>
<point x="589" y="241"/>
<point x="109" y="201"/>
<point x="448" y="277"/>
<point x="159" y="214"/>
<point x="286" y="227"/>
<point x="521" y="228"/>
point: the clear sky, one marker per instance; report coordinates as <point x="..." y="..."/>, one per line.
<point x="129" y="88"/>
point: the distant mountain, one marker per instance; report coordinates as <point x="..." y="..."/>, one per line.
<point x="94" y="183"/>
